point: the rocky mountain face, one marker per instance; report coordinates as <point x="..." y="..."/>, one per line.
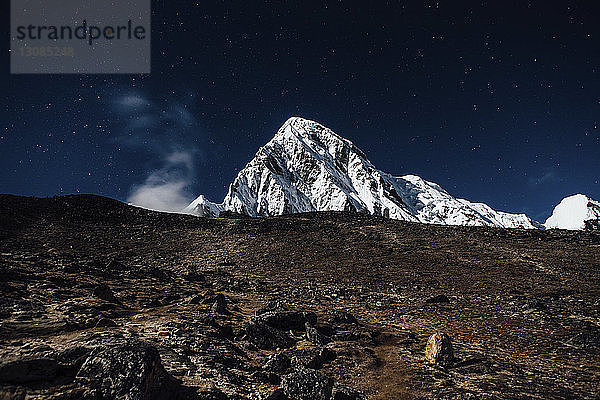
<point x="575" y="212"/>
<point x="307" y="167"/>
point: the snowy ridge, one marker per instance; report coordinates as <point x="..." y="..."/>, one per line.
<point x="308" y="167"/>
<point x="573" y="212"/>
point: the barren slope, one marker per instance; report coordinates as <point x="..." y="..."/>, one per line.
<point x="523" y="311"/>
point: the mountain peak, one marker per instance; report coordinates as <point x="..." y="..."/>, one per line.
<point x="307" y="167"/>
<point x="573" y="212"/>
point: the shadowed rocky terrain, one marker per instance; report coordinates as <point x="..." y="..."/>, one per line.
<point x="101" y="300"/>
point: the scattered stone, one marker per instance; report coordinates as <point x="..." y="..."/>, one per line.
<point x="316" y="337"/>
<point x="343" y="392"/>
<point x="307" y="384"/>
<point x="220" y="305"/>
<point x="439" y="349"/>
<point x="28" y="370"/>
<point x="103" y="292"/>
<point x="131" y="371"/>
<point x="442" y="298"/>
<point x="266" y="337"/>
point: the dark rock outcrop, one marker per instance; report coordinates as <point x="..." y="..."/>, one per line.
<point x="307" y="384"/>
<point x="132" y="371"/>
<point x="287" y="320"/>
<point x="266" y="337"/>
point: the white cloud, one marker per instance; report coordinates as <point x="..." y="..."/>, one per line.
<point x="167" y="188"/>
<point x="164" y="130"/>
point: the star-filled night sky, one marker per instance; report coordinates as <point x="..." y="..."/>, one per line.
<point x="497" y="101"/>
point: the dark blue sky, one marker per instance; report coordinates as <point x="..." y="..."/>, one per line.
<point x="498" y="102"/>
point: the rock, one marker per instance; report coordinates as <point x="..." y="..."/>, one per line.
<point x="316" y="337"/>
<point x="439" y="349"/>
<point x="307" y="384"/>
<point x="287" y="320"/>
<point x="28" y="370"/>
<point x="343" y="392"/>
<point x="266" y="337"/>
<point x="132" y="371"/>
<point x="220" y="305"/>
<point x="442" y="298"/>
<point x="103" y="292"/>
<point x="278" y="363"/>
<point x="342" y="317"/>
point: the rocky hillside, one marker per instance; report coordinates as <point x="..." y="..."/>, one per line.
<point x="307" y="167"/>
<point x="101" y="300"/>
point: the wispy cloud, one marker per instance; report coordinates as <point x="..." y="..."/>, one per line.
<point x="164" y="129"/>
<point x="166" y="189"/>
<point x="547" y="177"/>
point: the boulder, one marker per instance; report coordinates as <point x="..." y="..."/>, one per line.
<point x="287" y="320"/>
<point x="439" y="349"/>
<point x="307" y="384"/>
<point x="130" y="371"/>
<point x="266" y="337"/>
<point x="220" y="305"/>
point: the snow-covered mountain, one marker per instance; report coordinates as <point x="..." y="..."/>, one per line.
<point x="308" y="167"/>
<point x="573" y="212"/>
